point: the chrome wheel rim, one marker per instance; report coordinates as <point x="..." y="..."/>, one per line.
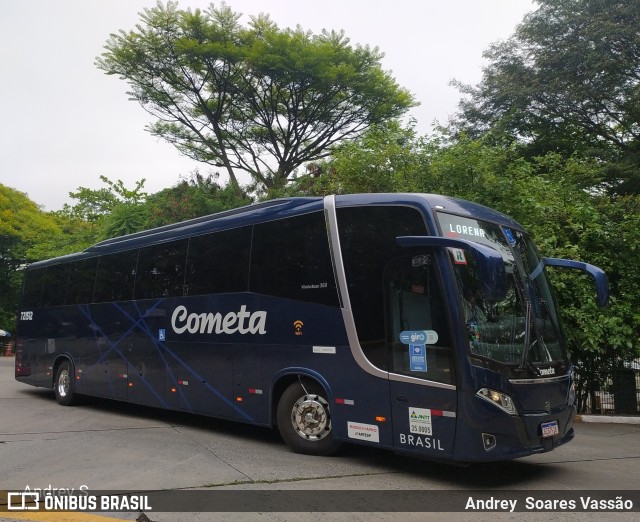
<point x="310" y="417"/>
<point x="63" y="383"/>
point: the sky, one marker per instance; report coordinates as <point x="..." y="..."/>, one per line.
<point x="64" y="123"/>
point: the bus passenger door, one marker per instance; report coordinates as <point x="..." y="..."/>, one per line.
<point x="421" y="362"/>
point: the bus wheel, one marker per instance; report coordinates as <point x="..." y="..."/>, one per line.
<point x="63" y="385"/>
<point x="304" y="420"/>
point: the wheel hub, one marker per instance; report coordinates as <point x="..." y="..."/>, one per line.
<point x="310" y="417"/>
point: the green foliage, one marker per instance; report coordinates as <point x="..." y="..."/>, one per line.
<point x="10" y="280"/>
<point x="28" y="234"/>
<point x="190" y="198"/>
<point x="124" y="219"/>
<point x="110" y="211"/>
<point x="387" y="158"/>
<point x="568" y="81"/>
<point x="257" y="99"/>
<point x="94" y="204"/>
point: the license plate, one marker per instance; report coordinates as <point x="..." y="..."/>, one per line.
<point x="549" y="429"/>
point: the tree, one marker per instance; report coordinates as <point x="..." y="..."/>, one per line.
<point x="257" y="99"/>
<point x="114" y="210"/>
<point x="94" y="204"/>
<point x="386" y="158"/>
<point x="28" y="234"/>
<point x="190" y="198"/>
<point x="19" y="216"/>
<point x="567" y="81"/>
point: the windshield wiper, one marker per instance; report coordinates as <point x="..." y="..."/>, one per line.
<point x="525" y="363"/>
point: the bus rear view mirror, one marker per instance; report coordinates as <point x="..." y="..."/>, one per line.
<point x="600" y="278"/>
<point x="489" y="261"/>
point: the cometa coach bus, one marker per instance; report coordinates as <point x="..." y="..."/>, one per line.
<point x="418" y="323"/>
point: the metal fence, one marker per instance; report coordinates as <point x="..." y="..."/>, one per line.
<point x="618" y="393"/>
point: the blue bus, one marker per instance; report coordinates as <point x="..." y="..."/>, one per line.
<point x="418" y="323"/>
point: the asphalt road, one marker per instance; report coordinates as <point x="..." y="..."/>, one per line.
<point x="105" y="446"/>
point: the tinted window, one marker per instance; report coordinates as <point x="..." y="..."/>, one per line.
<point x="414" y="302"/>
<point x="160" y="270"/>
<point x="55" y="285"/>
<point x="219" y="262"/>
<point x="82" y="276"/>
<point x="115" y="277"/>
<point x="32" y="292"/>
<point x="368" y="240"/>
<point x="291" y="258"/>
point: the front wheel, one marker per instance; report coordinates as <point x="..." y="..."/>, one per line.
<point x="304" y="420"/>
<point x="63" y="385"/>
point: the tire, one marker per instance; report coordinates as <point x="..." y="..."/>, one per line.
<point x="304" y="420"/>
<point x="63" y="385"/>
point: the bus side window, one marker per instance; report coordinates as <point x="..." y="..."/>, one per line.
<point x="82" y="277"/>
<point x="290" y="258"/>
<point x="368" y="241"/>
<point x="160" y="270"/>
<point x="115" y="277"/>
<point x="32" y="291"/>
<point x="55" y="285"/>
<point x="218" y="262"/>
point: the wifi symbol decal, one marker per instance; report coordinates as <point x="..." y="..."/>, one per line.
<point x="297" y="326"/>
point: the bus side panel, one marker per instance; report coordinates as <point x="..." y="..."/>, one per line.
<point x="359" y="402"/>
<point x="361" y="412"/>
<point x="130" y="359"/>
<point x="309" y="339"/>
<point x="101" y="363"/>
<point x="47" y="335"/>
<point x="141" y="348"/>
<point x="251" y="400"/>
<point x="424" y="419"/>
<point x="34" y="356"/>
<point x="199" y="377"/>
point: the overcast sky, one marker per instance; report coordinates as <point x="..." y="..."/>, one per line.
<point x="64" y="122"/>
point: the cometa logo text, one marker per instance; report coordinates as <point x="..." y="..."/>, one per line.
<point x="242" y="322"/>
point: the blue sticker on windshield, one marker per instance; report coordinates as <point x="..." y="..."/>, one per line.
<point x="417" y="357"/>
<point x="509" y="234"/>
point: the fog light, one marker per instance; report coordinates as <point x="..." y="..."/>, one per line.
<point x="488" y="441"/>
<point x="499" y="399"/>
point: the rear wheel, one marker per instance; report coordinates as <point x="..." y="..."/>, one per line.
<point x="63" y="385"/>
<point x="304" y="420"/>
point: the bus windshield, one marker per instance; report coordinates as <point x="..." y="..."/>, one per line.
<point x="521" y="330"/>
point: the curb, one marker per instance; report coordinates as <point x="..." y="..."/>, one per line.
<point x="607" y="419"/>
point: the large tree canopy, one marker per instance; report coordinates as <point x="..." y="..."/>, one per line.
<point x="257" y="99"/>
<point x="29" y="234"/>
<point x="568" y="80"/>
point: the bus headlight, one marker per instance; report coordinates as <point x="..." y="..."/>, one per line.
<point x="499" y="399"/>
